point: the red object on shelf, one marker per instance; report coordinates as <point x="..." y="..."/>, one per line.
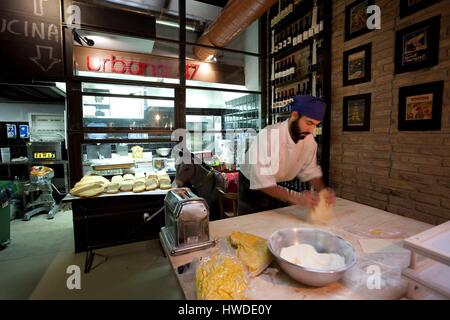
<point x="231" y="181"/>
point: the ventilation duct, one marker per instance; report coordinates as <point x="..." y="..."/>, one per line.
<point x="234" y="18"/>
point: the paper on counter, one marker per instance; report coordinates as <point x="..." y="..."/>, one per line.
<point x="381" y="246"/>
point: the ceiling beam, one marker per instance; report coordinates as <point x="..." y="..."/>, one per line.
<point x="217" y="3"/>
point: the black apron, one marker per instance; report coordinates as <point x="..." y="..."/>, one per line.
<point x="252" y="201"/>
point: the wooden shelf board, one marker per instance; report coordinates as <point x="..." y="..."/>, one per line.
<point x="432" y="243"/>
<point x="432" y="275"/>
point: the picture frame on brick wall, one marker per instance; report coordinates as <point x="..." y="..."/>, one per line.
<point x="356" y="19"/>
<point x="408" y="7"/>
<point x="357" y="65"/>
<point x="420" y="107"/>
<point x="417" y="46"/>
<point x="356" y="112"/>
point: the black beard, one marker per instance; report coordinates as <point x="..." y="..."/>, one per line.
<point x="296" y="134"/>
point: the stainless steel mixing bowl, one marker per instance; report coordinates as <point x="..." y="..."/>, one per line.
<point x="323" y="242"/>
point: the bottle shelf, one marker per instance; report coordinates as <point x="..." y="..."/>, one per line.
<point x="287" y="52"/>
<point x="280" y="113"/>
<point x="295" y="80"/>
<point x="307" y="6"/>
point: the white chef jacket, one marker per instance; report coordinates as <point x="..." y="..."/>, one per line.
<point x="274" y="157"/>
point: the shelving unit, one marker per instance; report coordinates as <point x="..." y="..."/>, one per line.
<point x="433" y="273"/>
<point x="300" y="63"/>
<point x="242" y="113"/>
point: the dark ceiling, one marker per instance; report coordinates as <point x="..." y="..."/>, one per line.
<point x="31" y="93"/>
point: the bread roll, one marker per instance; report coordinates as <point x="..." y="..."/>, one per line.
<point x="117" y="179"/>
<point x="164" y="180"/>
<point x="91" y="179"/>
<point x="87" y="190"/>
<point x="139" y="185"/>
<point x="152" y="182"/>
<point x="128" y="177"/>
<point x="113" y="187"/>
<point x="126" y="185"/>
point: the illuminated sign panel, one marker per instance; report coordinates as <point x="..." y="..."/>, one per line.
<point x="44" y="155"/>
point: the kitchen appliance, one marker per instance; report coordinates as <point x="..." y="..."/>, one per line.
<point x="186" y="222"/>
<point x="40" y="183"/>
<point x="159" y="163"/>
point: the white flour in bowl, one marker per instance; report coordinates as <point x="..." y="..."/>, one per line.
<point x="306" y="256"/>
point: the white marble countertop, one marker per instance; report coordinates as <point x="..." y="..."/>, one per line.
<point x="357" y="223"/>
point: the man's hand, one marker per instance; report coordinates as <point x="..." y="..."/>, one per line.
<point x="305" y="198"/>
<point x="330" y="196"/>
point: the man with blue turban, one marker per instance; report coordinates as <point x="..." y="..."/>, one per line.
<point x="282" y="152"/>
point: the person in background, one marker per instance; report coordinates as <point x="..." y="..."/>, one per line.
<point x="282" y="152"/>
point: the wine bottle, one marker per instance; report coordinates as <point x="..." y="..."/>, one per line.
<point x="311" y="30"/>
<point x="306" y="29"/>
<point x="275" y="81"/>
<point x="294" y="68"/>
<point x="275" y="44"/>
<point x="280" y="42"/>
<point x="282" y="72"/>
<point x="294" y="36"/>
<point x="300" y="33"/>
<point x="319" y="92"/>
<point x="272" y="72"/>
<point x="288" y="70"/>
<point x="289" y="38"/>
<point x="321" y="17"/>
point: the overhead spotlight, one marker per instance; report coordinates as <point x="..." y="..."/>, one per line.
<point x="79" y="39"/>
<point x="212" y="58"/>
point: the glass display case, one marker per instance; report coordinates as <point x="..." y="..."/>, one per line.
<point x="109" y="159"/>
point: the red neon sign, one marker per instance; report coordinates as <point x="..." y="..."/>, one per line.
<point x="120" y="65"/>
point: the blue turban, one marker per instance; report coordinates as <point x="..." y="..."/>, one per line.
<point x="309" y="106"/>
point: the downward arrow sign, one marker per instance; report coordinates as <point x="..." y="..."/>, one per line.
<point x="45" y="62"/>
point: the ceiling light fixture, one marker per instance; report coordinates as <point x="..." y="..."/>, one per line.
<point x="173" y="24"/>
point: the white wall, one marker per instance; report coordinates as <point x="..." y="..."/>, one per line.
<point x="19" y="111"/>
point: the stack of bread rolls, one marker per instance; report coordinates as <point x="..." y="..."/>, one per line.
<point x="91" y="186"/>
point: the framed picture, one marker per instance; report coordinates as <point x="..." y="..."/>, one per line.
<point x="417" y="46"/>
<point x="420" y="107"/>
<point x="356" y="19"/>
<point x="357" y="65"/>
<point x="408" y="7"/>
<point x="357" y="112"/>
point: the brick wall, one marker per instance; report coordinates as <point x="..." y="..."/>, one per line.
<point x="406" y="173"/>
